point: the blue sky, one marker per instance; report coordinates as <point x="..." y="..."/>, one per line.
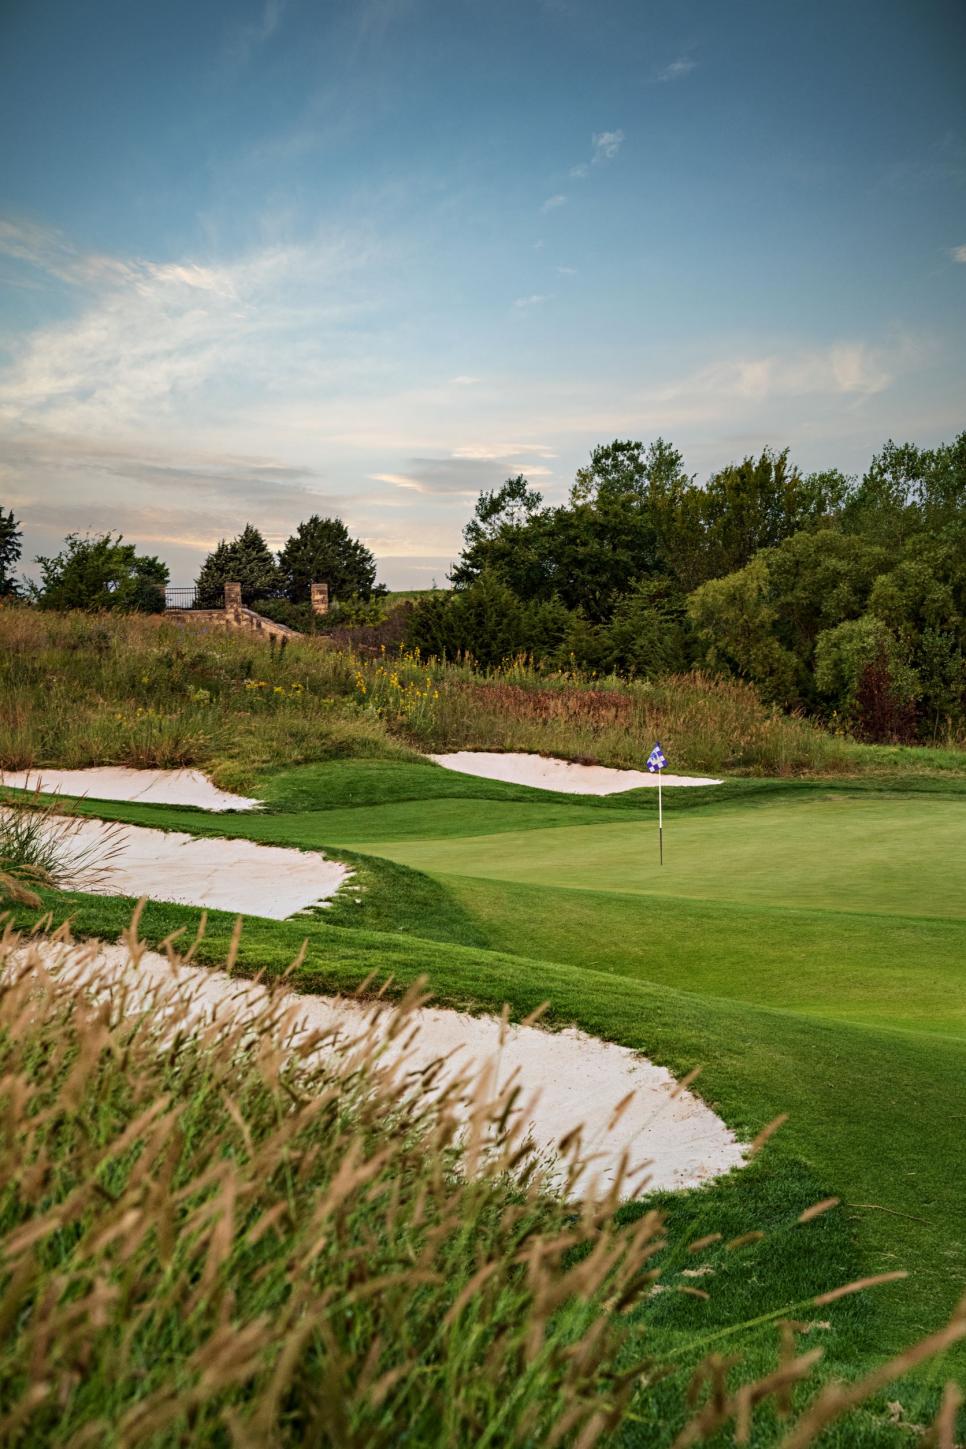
<point x="274" y="257"/>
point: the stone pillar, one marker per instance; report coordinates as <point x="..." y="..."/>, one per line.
<point x="320" y="598"/>
<point x="232" y="597"/>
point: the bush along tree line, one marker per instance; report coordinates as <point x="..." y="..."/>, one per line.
<point x="839" y="597"/>
<point x="94" y="572"/>
<point x="321" y="550"/>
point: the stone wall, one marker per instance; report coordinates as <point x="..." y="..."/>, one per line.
<point x="237" y="620"/>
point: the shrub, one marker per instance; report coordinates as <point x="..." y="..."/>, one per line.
<point x="861" y="672"/>
<point x="649" y="634"/>
<point x="41" y="845"/>
<point x="101" y="573"/>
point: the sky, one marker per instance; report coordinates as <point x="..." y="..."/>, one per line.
<point x="261" y="259"/>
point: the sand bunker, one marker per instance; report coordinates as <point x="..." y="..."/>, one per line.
<point x="567" y="1078"/>
<point x="118" y="782"/>
<point x="224" y="875"/>
<point x="545" y="773"/>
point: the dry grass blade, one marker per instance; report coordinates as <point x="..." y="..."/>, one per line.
<point x="818" y="1208"/>
<point x="218" y="1228"/>
<point x="836" y="1400"/>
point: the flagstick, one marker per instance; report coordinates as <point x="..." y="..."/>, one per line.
<point x="660" y="820"/>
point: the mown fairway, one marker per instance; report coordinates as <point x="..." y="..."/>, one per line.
<point x="805" y="943"/>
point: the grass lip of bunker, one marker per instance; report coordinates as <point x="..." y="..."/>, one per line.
<point x="545" y="772"/>
<point x="121" y="782"/>
<point x="672" y="1140"/>
<point x="212" y="872"/>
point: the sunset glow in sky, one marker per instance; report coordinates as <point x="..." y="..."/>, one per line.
<point x="269" y="258"/>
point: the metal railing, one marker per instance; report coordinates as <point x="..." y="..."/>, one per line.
<point x="181" y="599"/>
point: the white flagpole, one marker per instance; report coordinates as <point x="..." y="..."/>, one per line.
<point x="660" y="819"/>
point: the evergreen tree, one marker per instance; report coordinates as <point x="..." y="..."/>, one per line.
<point x="246" y="560"/>
<point x="10" y="537"/>
<point x="322" y="551"/>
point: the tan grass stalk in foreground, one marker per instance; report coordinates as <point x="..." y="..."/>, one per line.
<point x="227" y="1232"/>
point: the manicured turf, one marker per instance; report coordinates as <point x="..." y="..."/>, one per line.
<point x="840" y="853"/>
<point x="806" y="943"/>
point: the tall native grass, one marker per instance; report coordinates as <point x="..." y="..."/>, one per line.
<point x="79" y="690"/>
<point x="226" y="1231"/>
<point x="42" y="845"/>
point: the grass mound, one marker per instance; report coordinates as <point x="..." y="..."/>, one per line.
<point x="224" y="1234"/>
<point x="79" y="690"/>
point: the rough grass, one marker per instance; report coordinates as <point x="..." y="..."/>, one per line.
<point x="78" y="690"/>
<point x="39" y="847"/>
<point x="220" y="1236"/>
<point x="81" y="690"/>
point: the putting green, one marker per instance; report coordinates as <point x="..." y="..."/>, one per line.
<point x="892" y="856"/>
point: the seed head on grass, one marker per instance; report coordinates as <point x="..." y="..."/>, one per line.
<point x="221" y="1227"/>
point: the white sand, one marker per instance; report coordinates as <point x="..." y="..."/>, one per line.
<point x="224" y="875"/>
<point x="118" y="782"/>
<point x="567" y="1078"/>
<point x="545" y="773"/>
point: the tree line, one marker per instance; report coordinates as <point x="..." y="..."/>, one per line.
<point x="838" y="596"/>
<point x="101" y="572"/>
<point x="841" y="597"/>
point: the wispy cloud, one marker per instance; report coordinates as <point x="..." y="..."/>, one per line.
<point x="958" y="254"/>
<point x="606" y="145"/>
<point x="460" y="477"/>
<point x="174" y="499"/>
<point x="149" y="334"/>
<point x="244" y="40"/>
<point x="566" y="271"/>
<point x="469" y="469"/>
<point x="464" y="380"/>
<point x="849" y="371"/>
<point x="552" y="202"/>
<point x="535" y="299"/>
<point x="503" y="450"/>
<point x="677" y="69"/>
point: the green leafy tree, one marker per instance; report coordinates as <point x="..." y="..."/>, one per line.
<point x="500" y="519"/>
<point x="245" y="560"/>
<point x="649" y="633"/>
<point x="815" y="580"/>
<point x="861" y="670"/>
<point x="10" y="548"/>
<point x="941" y="667"/>
<point x="734" y="619"/>
<point x="586" y="554"/>
<point x="756" y="504"/>
<point x="322" y="551"/>
<point x="907" y="489"/>
<point x="100" y="571"/>
<point x="625" y="472"/>
<point x="486" y="620"/>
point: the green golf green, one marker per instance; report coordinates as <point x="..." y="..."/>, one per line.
<point x="904" y="856"/>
